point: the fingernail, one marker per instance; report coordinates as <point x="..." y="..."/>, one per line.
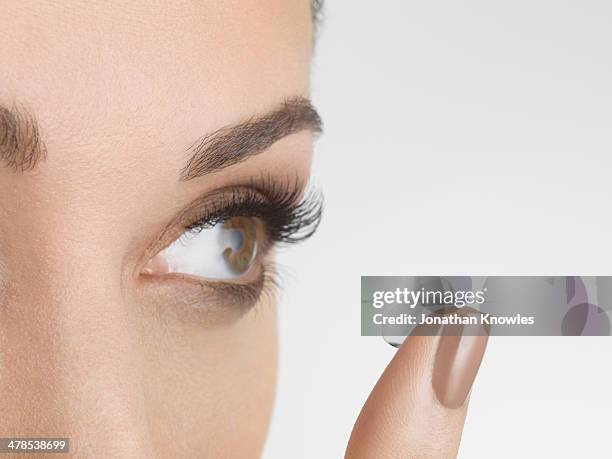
<point x="458" y="357"/>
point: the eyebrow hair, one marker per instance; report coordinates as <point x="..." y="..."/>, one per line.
<point x="234" y="144"/>
<point x="21" y="145"/>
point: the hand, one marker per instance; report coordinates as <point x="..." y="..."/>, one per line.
<point x="417" y="409"/>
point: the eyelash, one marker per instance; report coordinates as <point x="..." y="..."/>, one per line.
<point x="288" y="217"/>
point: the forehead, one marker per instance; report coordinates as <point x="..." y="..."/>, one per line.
<point x="115" y="68"/>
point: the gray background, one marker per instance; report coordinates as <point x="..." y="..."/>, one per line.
<point x="462" y="138"/>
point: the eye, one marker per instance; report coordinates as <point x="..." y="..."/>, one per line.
<point x="224" y="250"/>
<point x="222" y="240"/>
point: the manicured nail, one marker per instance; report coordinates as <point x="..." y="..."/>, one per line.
<point x="458" y="357"/>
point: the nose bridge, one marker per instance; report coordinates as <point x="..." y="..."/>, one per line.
<point x="69" y="348"/>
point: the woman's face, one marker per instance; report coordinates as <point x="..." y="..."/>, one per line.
<point x="124" y="125"/>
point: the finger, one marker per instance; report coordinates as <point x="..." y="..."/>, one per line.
<point x="418" y="407"/>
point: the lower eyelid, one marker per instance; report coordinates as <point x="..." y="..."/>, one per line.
<point x="190" y="298"/>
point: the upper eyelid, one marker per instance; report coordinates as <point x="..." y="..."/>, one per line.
<point x="292" y="189"/>
<point x="199" y="208"/>
<point x="210" y="206"/>
<point x="296" y="211"/>
<point x="268" y="187"/>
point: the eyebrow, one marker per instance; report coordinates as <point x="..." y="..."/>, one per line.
<point x="21" y="145"/>
<point x="234" y="144"/>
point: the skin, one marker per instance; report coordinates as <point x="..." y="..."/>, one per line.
<point x="88" y="349"/>
<point x="119" y="94"/>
